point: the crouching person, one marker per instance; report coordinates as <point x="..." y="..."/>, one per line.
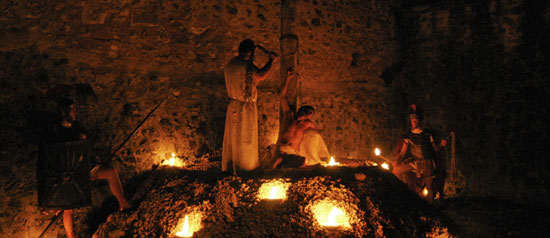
<point x="299" y="143"/>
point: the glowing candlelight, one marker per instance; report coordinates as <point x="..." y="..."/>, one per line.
<point x="334" y="213"/>
<point x="273" y="194"/>
<point x="275" y="189"/>
<point x="185" y="232"/>
<point x="332" y="162"/>
<point x="384" y="165"/>
<point x="173" y="161"/>
<point x="330" y="215"/>
<point x="191" y="223"/>
<point x="425" y="192"/>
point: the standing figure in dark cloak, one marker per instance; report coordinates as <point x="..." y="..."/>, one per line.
<point x="64" y="169"/>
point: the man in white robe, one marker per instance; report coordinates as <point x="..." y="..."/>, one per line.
<point x="240" y="140"/>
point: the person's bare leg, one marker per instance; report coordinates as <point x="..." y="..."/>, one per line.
<point x="68" y="223"/>
<point x="111" y="175"/>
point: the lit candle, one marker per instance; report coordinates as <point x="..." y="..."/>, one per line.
<point x="173" y="161"/>
<point x="377" y="151"/>
<point x="329" y="214"/>
<point x="189" y="225"/>
<point x="332" y="162"/>
<point x="384" y="165"/>
<point x="334" y="213"/>
<point x="275" y="189"/>
<point x="184" y="231"/>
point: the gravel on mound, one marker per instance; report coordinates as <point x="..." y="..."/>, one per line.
<point x="374" y="202"/>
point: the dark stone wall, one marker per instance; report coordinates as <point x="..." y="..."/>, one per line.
<point x="344" y="48"/>
<point x="120" y="58"/>
<point x="480" y="68"/>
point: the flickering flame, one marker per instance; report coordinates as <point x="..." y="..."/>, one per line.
<point x="377" y="152"/>
<point x="275" y="192"/>
<point x="184" y="232"/>
<point x="332" y="162"/>
<point x="173" y="161"/>
<point x="275" y="189"/>
<point x="330" y="215"/>
<point x="425" y="192"/>
<point x="334" y="213"/>
<point x="189" y="225"/>
<point x="385" y="166"/>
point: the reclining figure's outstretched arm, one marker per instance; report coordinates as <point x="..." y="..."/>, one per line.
<point x="285" y="105"/>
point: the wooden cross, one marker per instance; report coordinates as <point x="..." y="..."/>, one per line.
<point x="289" y="50"/>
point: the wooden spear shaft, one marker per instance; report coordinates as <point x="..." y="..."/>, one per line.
<point x="134" y="131"/>
<point x="289" y="49"/>
<point x="57" y="215"/>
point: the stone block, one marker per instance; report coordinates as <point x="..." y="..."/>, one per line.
<point x="94" y="16"/>
<point x="145" y="17"/>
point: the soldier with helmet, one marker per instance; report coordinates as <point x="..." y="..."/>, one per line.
<point x="415" y="162"/>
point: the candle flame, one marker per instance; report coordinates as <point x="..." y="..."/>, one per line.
<point x="425" y="192"/>
<point x="330" y="215"/>
<point x="273" y="194"/>
<point x="385" y="166"/>
<point x="334" y="213"/>
<point x="190" y="224"/>
<point x="275" y="189"/>
<point x="185" y="232"/>
<point x="332" y="162"/>
<point x="173" y="161"/>
<point x="377" y="151"/>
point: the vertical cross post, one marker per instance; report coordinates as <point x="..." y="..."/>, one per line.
<point x="289" y="49"/>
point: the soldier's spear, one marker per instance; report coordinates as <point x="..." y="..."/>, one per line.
<point x="52" y="221"/>
<point x="134" y="131"/>
<point x="112" y="155"/>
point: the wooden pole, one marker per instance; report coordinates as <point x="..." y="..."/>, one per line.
<point x="134" y="131"/>
<point x="454" y="175"/>
<point x="289" y="50"/>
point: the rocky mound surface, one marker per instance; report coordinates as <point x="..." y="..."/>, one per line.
<point x="369" y="202"/>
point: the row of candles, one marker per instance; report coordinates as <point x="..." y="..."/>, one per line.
<point x="377" y="152"/>
<point x="177" y="162"/>
<point x="326" y="213"/>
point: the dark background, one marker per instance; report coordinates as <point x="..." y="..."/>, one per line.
<point x="478" y="68"/>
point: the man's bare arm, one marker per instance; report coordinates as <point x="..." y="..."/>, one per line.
<point x="265" y="71"/>
<point x="285" y="105"/>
